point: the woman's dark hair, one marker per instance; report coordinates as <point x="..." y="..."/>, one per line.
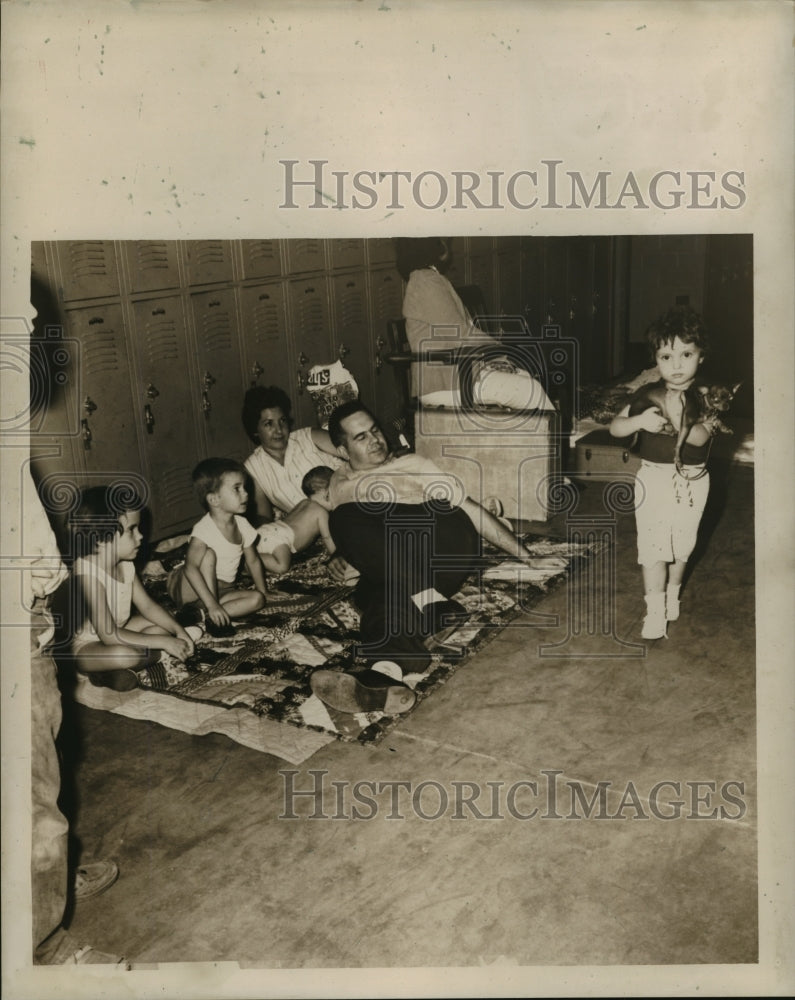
<point x="416" y="252"/>
<point x="679" y="321"/>
<point x="96" y="517"/>
<point x="264" y="397"/>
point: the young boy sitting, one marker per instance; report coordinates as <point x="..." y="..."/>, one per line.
<point x="216" y="544"/>
<point x="298" y="529"/>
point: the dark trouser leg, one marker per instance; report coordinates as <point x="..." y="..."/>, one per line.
<point x="50" y="829"/>
<point x="400" y="551"/>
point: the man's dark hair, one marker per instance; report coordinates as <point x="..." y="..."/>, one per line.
<point x="264" y="397"/>
<point x="335" y="431"/>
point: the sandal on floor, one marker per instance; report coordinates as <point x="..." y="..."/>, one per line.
<point x="90" y="956"/>
<point x="374" y="692"/>
<point x="93" y="878"/>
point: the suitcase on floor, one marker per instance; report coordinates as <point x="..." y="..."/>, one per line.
<point x="600" y="455"/>
<point x="506" y="459"/>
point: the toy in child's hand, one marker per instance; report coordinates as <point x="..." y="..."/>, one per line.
<point x="701" y="404"/>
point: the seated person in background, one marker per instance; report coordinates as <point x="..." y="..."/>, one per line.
<point x="216" y="544"/>
<point x="112" y="642"/>
<point x="282" y="457"/>
<point x="436" y="319"/>
<point x="414" y="537"/>
<point x="298" y="529"/>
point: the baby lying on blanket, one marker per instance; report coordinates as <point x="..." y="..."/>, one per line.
<point x="298" y="529"/>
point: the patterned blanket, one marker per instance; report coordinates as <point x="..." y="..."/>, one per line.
<point x="254" y="686"/>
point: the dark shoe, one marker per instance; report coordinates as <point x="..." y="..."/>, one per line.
<point x="368" y="691"/>
<point x="117" y="680"/>
<point x="440" y="620"/>
<point x="219" y="631"/>
<point x="190" y="614"/>
<point x="94" y="878"/>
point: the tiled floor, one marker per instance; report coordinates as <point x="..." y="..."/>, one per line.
<point x="211" y="870"/>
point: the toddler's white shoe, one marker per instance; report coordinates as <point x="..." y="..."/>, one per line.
<point x="672" y="602"/>
<point x="654" y="624"/>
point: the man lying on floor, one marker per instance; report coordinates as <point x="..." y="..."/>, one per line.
<point x="414" y="537"/>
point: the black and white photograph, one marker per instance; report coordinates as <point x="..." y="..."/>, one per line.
<point x="397" y="501"/>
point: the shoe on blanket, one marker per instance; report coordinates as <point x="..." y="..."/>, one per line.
<point x="367" y="691"/>
<point x="93" y="878"/>
<point x="440" y="620"/>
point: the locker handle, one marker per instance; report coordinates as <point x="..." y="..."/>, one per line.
<point x="151" y="392"/>
<point x="303" y="359"/>
<point x="89" y="405"/>
<point x="213" y="304"/>
<point x="257" y="370"/>
<point x="95" y="320"/>
<point x="380" y="344"/>
<point x="302" y="380"/>
<point x="264" y="296"/>
<point x="86" y="434"/>
<point x="149" y="419"/>
<point x="343" y="350"/>
<point x="158" y="312"/>
<point x="309" y="291"/>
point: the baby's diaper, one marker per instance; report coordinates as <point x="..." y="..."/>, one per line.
<point x="272" y="535"/>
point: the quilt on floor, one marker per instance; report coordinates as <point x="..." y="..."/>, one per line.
<point x="262" y="673"/>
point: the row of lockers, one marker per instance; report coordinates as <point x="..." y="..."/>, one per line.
<point x="156" y="380"/>
<point x="91" y="269"/>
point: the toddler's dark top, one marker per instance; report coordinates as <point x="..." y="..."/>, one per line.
<point x="660" y="447"/>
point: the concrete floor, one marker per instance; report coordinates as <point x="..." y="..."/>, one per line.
<point x="211" y="872"/>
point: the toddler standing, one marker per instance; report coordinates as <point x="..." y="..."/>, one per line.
<point x="668" y="506"/>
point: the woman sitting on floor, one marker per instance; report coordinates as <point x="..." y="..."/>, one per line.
<point x="282" y="457"/>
